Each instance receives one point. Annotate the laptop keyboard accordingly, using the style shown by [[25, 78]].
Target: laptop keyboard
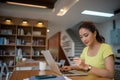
[[67, 72]]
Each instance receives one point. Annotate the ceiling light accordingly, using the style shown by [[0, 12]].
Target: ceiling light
[[48, 30], [8, 20], [61, 12], [23, 4], [96, 13], [24, 22], [66, 5], [40, 23]]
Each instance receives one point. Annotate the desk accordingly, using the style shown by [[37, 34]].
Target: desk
[[22, 74]]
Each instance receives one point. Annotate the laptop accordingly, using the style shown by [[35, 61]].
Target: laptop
[[54, 67]]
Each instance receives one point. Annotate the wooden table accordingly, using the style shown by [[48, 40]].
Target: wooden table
[[22, 74]]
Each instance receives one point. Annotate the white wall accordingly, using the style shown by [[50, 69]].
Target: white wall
[[56, 28], [105, 29]]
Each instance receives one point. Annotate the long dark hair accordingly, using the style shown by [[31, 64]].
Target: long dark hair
[[91, 27]]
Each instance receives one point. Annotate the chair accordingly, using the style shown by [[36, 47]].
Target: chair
[[1, 72], [6, 73]]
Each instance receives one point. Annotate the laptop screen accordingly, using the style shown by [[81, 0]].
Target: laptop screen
[[51, 62]]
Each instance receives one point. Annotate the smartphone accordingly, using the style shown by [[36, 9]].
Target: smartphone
[[45, 76]]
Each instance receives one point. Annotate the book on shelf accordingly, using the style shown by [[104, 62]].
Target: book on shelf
[[36, 33], [1, 40], [11, 63], [6, 32], [4, 41], [36, 53], [2, 52], [20, 31]]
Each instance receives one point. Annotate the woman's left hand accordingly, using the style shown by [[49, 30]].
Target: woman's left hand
[[80, 63]]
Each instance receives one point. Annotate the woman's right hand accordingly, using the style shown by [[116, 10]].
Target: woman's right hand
[[66, 68]]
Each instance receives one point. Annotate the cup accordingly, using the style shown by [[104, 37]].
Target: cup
[[42, 65]]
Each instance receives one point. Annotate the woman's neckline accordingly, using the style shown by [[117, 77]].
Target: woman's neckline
[[99, 46]]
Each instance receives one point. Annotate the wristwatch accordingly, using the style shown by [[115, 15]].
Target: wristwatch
[[89, 68]]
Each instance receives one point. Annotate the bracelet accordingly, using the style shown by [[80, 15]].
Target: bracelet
[[89, 68]]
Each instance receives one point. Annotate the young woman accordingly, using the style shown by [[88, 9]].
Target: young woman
[[97, 57]]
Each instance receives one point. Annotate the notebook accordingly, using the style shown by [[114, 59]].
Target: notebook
[[54, 67]]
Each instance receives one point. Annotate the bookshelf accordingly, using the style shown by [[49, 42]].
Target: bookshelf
[[21, 41]]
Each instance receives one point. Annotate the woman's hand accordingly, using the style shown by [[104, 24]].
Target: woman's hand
[[66, 68], [80, 63]]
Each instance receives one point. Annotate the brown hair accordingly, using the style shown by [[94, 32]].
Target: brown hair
[[91, 27]]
